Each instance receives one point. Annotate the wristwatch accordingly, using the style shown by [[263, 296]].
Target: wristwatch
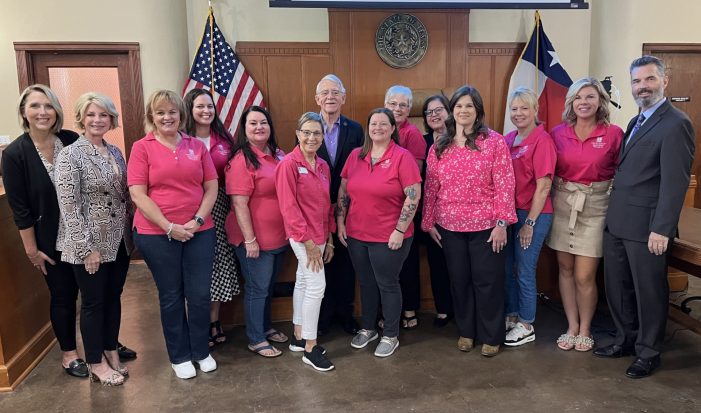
[[530, 222], [199, 220], [501, 223]]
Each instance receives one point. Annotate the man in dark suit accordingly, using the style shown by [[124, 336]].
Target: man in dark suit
[[341, 136], [648, 193]]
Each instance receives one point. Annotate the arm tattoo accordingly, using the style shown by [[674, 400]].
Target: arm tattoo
[[408, 212], [410, 192], [342, 206]]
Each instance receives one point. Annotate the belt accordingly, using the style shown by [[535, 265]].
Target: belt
[[578, 194]]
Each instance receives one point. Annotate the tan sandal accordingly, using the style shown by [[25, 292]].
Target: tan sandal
[[584, 343], [566, 342]]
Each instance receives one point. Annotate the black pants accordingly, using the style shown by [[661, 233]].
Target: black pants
[[101, 308], [477, 283], [440, 280], [637, 293], [340, 287], [409, 279], [378, 271], [64, 293]]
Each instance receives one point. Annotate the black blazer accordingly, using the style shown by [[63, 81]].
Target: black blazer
[[652, 176], [30, 192], [350, 136]]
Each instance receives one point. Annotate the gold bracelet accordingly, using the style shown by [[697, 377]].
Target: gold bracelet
[[330, 245], [250, 242]]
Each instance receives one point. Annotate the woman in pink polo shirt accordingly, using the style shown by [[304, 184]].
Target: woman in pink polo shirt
[[468, 204], [255, 226], [379, 193], [302, 181], [533, 156], [173, 183], [587, 154], [399, 99], [202, 122]]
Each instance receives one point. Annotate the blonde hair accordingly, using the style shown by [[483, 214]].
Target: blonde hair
[[58, 125], [526, 96], [159, 97], [86, 99], [602, 114]]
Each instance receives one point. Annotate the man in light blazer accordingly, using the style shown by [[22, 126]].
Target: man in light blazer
[[341, 136], [648, 192]]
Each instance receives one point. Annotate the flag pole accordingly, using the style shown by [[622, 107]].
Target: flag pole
[[537, 46], [211, 46]]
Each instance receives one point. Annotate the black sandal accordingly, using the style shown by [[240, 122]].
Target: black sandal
[[218, 336], [407, 320]]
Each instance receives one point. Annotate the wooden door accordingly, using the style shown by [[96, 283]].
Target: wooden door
[[684, 89], [72, 69]]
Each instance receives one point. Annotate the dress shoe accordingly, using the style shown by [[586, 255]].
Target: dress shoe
[[643, 367], [77, 368], [613, 351], [351, 327], [125, 353]]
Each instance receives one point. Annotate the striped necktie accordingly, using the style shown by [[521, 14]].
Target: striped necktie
[[638, 124]]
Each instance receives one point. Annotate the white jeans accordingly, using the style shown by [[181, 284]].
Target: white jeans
[[309, 290]]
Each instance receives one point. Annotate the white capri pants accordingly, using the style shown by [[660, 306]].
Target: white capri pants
[[309, 291]]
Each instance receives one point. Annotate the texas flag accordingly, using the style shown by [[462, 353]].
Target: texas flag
[[540, 70]]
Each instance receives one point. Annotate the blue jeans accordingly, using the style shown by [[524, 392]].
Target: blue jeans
[[183, 274], [521, 266], [260, 275]]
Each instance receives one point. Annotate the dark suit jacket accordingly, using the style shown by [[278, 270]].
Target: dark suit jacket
[[350, 136], [30, 192], [652, 176]]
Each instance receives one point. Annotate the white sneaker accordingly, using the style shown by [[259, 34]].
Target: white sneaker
[[207, 365], [519, 335], [184, 370]]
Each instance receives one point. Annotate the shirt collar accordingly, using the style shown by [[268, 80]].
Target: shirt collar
[[336, 123], [388, 154], [651, 111]]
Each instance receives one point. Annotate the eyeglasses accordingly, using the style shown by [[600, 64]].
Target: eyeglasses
[[435, 112], [325, 93], [308, 133], [395, 105]]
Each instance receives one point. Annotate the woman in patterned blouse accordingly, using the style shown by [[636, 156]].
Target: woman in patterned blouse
[[91, 184], [468, 204]]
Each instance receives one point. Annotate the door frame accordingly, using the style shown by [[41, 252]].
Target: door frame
[[132, 97]]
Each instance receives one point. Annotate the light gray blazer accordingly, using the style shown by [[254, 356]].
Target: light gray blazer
[[94, 201]]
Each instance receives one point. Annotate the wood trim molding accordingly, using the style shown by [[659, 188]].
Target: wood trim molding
[[494, 49], [93, 47], [649, 48], [282, 48]]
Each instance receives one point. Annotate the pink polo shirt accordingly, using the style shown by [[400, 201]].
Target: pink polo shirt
[[593, 160], [411, 139], [468, 190], [259, 186], [377, 192], [174, 179], [303, 195], [534, 158], [219, 150]]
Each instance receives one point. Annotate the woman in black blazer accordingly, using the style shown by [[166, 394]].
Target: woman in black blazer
[[27, 170]]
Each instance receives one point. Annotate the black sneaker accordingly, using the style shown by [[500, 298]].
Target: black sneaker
[[298, 345], [317, 359]]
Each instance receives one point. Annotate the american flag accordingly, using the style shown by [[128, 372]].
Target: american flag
[[233, 88]]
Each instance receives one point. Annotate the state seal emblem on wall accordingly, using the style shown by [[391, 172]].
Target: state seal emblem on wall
[[401, 40]]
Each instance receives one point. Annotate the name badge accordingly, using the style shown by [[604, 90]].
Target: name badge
[[302, 170]]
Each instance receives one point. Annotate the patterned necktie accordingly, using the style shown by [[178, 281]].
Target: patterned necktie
[[637, 126]]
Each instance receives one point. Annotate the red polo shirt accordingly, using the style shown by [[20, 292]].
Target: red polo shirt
[[377, 192], [303, 195], [411, 139], [174, 179], [534, 158], [259, 186], [591, 160], [219, 150]]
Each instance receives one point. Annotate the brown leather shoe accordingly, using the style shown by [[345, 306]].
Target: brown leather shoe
[[490, 351], [466, 344]]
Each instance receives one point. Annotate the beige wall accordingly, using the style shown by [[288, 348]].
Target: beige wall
[[158, 25], [620, 27]]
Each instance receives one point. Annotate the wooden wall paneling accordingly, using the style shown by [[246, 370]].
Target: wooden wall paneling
[[283, 102], [480, 72], [458, 40], [342, 56], [313, 69]]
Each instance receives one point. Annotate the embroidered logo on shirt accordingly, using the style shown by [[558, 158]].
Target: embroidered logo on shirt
[[521, 151], [222, 149], [302, 170], [191, 155], [599, 143], [386, 163]]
